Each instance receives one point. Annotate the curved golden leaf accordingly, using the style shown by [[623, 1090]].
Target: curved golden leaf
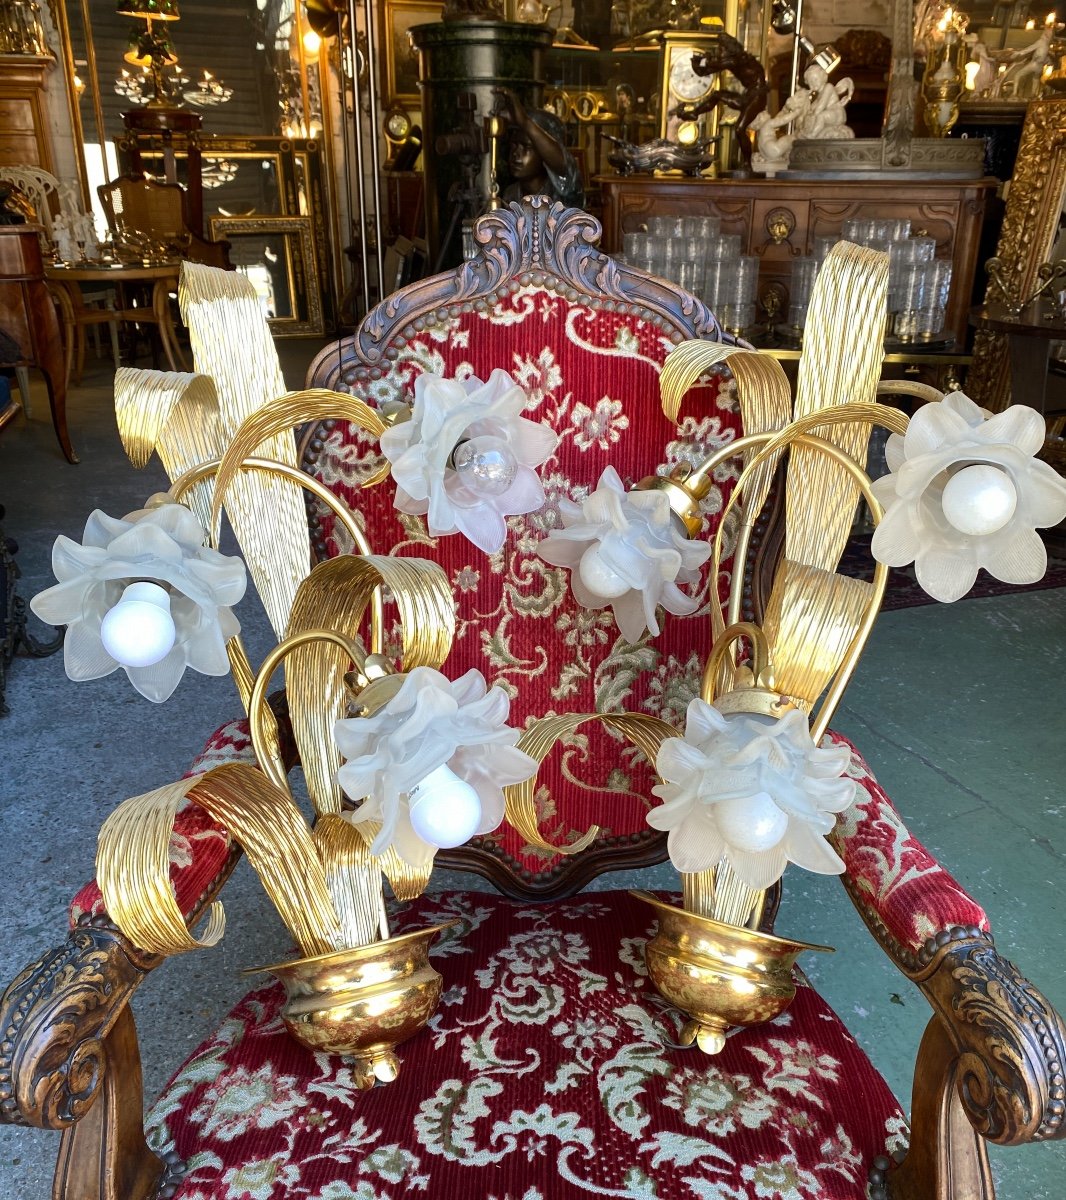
[[645, 732], [176, 414], [335, 596], [133, 861]]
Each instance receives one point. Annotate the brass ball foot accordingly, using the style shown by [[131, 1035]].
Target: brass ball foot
[[708, 1039]]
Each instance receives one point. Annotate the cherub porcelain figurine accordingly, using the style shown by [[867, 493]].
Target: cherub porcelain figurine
[[822, 112]]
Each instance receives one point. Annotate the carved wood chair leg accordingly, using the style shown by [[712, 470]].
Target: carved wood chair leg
[[948, 1158], [104, 1156]]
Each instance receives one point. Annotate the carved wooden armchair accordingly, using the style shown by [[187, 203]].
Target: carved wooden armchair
[[551, 1067]]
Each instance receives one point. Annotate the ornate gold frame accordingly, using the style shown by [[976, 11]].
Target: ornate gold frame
[[1026, 238], [431, 11], [305, 292]]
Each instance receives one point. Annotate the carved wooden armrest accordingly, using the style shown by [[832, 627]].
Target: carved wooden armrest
[[69, 1060], [990, 1068]]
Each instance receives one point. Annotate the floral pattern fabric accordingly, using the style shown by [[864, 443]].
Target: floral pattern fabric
[[592, 375], [550, 1070], [898, 881]]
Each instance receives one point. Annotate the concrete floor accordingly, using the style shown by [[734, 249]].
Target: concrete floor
[[958, 708]]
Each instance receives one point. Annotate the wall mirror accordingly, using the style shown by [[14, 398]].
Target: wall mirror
[[263, 82]]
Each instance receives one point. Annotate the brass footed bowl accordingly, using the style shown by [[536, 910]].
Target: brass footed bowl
[[362, 1003], [720, 975]]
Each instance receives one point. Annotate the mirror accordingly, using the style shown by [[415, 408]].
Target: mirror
[[278, 255]]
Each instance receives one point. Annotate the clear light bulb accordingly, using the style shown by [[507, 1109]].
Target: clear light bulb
[[485, 465], [980, 499], [445, 810], [139, 630], [599, 576], [753, 824]]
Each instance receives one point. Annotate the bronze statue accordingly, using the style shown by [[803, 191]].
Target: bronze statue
[[538, 160], [748, 100]]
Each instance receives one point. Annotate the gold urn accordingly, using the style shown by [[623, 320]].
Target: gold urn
[[362, 1003], [720, 975]]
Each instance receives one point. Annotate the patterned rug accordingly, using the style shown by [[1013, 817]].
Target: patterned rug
[[903, 590]]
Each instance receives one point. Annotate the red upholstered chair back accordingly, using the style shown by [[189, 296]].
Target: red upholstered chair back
[[586, 338]]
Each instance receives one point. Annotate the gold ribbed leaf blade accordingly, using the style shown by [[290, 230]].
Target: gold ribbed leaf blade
[[335, 596], [132, 860], [811, 620], [176, 414], [231, 343], [354, 880], [843, 350], [645, 732], [762, 389]]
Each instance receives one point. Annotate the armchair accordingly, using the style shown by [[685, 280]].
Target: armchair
[[551, 1068], [144, 206]]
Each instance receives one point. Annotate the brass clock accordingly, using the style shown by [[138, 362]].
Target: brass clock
[[682, 87]]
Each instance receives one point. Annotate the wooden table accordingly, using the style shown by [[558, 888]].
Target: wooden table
[[163, 277], [1029, 335], [28, 314]]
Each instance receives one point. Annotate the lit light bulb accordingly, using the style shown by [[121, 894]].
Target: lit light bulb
[[445, 810], [752, 824], [599, 576], [980, 499], [485, 465], [312, 42], [139, 630]]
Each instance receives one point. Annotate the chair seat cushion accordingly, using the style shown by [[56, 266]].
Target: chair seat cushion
[[548, 1071]]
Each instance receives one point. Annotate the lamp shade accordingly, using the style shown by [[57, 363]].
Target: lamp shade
[[156, 10]]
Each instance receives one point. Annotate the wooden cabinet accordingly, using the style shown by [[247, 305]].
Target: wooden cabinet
[[779, 219], [28, 316], [24, 136]]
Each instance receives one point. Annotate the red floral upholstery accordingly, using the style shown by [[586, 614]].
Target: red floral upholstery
[[894, 878], [547, 1072], [199, 848], [592, 374]]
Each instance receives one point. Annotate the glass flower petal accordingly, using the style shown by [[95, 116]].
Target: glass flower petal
[[444, 414], [942, 441], [162, 544], [754, 792], [624, 550]]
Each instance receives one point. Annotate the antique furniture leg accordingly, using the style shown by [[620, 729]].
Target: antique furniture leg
[[30, 317], [104, 1156], [161, 308], [947, 1156]]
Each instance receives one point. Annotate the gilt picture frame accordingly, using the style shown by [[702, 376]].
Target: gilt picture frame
[[401, 58], [1026, 240]]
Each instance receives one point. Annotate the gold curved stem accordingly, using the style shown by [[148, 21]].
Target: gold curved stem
[[317, 489], [261, 720], [760, 654]]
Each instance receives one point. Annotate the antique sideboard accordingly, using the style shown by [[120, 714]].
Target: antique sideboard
[[779, 219]]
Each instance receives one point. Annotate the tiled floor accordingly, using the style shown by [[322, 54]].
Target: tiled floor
[[958, 708]]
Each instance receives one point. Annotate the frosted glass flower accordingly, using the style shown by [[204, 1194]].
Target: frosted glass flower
[[625, 549], [751, 791], [430, 723], [966, 492], [466, 457], [164, 545]]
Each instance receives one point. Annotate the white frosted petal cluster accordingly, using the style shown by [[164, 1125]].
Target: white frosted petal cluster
[[445, 413], [163, 544], [627, 545], [942, 440], [430, 722], [751, 791]]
